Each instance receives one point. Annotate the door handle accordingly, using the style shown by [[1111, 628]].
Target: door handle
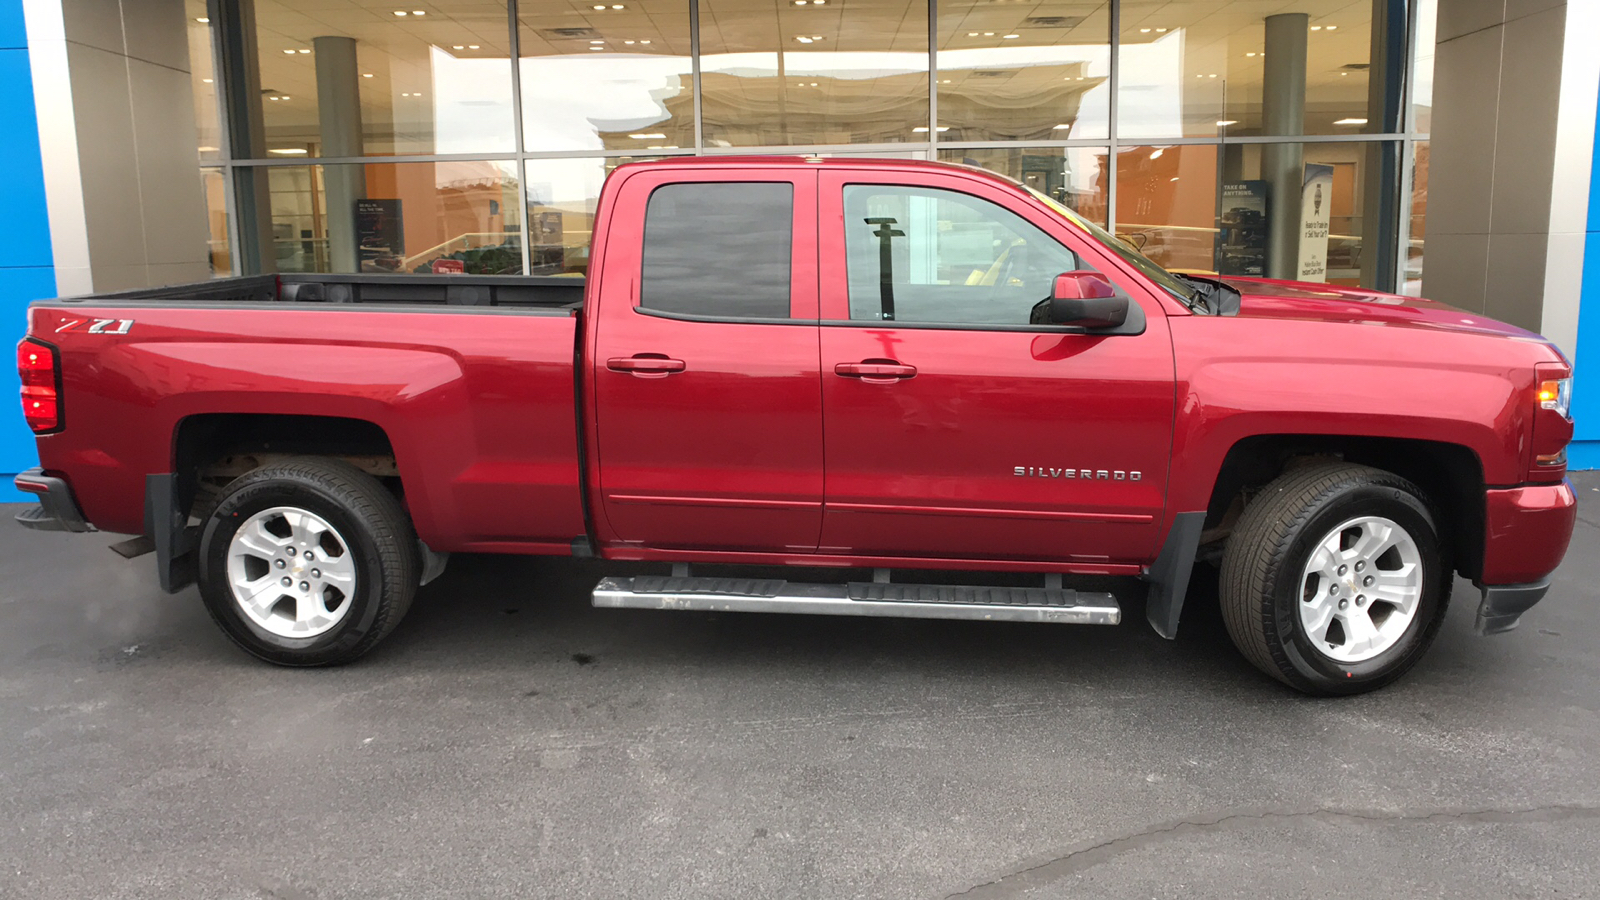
[[876, 371], [642, 365]]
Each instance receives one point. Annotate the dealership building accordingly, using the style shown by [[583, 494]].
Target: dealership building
[[154, 142]]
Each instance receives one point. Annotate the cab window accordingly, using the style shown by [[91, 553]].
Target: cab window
[[924, 255]]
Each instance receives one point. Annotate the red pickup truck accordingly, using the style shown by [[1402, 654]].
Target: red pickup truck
[[877, 373]]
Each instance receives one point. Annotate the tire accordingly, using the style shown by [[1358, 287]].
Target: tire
[[301, 615], [1273, 579]]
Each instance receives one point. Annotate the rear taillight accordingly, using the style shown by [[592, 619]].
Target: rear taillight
[[41, 385], [1552, 421]]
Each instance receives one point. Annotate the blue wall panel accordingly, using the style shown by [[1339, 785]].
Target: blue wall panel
[[26, 267]]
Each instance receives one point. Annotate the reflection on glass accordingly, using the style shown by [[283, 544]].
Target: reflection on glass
[[1034, 71], [1419, 222], [606, 79], [1076, 177], [203, 80], [435, 80], [413, 218], [218, 252], [774, 72], [1198, 68], [562, 196], [1422, 74], [1167, 204]]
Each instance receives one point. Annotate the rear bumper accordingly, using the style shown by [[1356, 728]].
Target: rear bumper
[[57, 509], [1526, 533]]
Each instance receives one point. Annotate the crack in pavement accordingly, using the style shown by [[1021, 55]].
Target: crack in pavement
[[1091, 854]]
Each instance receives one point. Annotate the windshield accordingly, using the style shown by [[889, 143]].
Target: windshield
[[1170, 282]]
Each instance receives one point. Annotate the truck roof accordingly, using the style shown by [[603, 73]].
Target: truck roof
[[775, 161]]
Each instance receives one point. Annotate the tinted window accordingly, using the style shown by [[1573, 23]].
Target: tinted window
[[932, 256], [719, 250]]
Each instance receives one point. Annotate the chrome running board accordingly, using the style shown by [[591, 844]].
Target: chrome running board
[[906, 601]]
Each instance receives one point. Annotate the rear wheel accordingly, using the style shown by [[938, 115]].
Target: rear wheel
[[308, 562], [1335, 580]]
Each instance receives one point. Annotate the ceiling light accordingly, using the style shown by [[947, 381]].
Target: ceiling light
[[458, 46], [597, 41], [1343, 74], [803, 40], [304, 51], [644, 42], [1212, 75], [472, 46], [813, 84], [290, 52], [988, 34], [1158, 152], [366, 74], [1224, 123], [284, 97], [1351, 121], [399, 12], [816, 37], [289, 151], [972, 34], [945, 81], [208, 150], [647, 137], [1251, 53], [1144, 31], [1316, 28], [1161, 31], [616, 6], [1062, 127], [801, 2], [1333, 28], [627, 42], [1173, 178], [592, 47], [923, 129], [203, 20], [599, 6], [1011, 37], [419, 12], [206, 80]]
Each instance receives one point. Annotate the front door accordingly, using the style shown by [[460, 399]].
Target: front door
[[956, 428], [708, 407]]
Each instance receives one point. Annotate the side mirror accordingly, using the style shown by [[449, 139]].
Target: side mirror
[[1087, 299]]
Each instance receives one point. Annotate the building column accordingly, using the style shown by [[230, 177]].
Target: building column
[[1283, 112], [339, 114]]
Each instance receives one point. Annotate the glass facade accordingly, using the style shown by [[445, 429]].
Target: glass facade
[[347, 136]]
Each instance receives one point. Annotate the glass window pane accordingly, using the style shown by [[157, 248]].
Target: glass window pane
[[719, 250], [438, 82], [1422, 79], [1166, 204], [218, 253], [1023, 72], [1074, 176], [203, 80], [408, 218], [562, 197], [1419, 222], [606, 79], [924, 255], [774, 73], [1195, 68]]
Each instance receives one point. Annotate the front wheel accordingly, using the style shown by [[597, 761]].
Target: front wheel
[[1335, 580], [308, 562]]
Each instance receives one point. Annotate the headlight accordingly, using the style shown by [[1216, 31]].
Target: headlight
[[1556, 394]]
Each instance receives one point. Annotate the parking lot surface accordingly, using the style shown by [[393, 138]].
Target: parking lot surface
[[510, 741]]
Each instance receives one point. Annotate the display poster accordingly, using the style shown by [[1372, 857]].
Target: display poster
[[380, 235], [1316, 196], [1242, 229]]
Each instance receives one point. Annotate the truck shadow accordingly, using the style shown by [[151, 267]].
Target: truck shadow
[[491, 609]]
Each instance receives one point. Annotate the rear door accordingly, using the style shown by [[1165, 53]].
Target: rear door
[[707, 396], [956, 427]]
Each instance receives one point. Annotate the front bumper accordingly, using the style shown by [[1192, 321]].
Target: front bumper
[[1526, 532], [57, 509]]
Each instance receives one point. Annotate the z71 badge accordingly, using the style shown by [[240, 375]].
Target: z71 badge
[[97, 326], [1080, 474]]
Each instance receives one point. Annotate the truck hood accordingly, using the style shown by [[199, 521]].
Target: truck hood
[[1268, 299]]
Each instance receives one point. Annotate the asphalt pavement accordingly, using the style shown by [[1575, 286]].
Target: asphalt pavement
[[508, 740]]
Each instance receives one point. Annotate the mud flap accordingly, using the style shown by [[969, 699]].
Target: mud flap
[[1169, 574], [166, 522]]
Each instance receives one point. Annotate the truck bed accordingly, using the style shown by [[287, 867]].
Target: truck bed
[[518, 291]]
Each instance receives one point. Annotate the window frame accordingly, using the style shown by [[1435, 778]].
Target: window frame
[[625, 234]]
